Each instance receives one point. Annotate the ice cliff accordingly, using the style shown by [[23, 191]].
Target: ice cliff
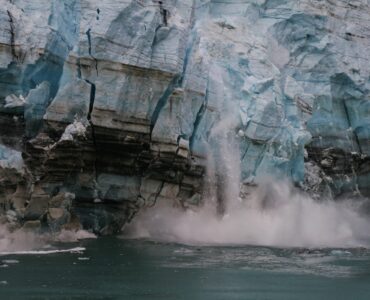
[[109, 106]]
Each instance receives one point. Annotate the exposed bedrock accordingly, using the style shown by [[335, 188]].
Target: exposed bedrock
[[107, 107]]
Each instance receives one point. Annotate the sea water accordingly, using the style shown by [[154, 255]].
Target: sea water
[[118, 268]]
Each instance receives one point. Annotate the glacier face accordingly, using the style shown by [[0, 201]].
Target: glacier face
[[112, 105]]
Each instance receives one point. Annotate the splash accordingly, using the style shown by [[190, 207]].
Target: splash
[[27, 242], [18, 240], [273, 215]]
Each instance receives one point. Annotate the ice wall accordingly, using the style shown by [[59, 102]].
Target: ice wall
[[124, 103]]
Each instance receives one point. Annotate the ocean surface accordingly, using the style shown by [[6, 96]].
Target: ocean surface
[[117, 268]]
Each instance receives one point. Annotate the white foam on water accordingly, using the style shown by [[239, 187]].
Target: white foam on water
[[83, 258], [10, 261], [76, 250]]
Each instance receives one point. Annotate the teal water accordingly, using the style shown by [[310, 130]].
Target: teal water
[[113, 268]]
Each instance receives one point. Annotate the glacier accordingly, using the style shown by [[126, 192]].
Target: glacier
[[107, 107]]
